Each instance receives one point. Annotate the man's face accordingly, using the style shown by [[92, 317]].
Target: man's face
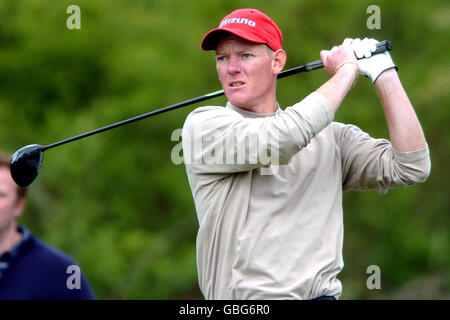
[[10, 206], [245, 71]]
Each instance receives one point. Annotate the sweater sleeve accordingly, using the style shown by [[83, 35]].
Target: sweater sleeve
[[370, 163], [220, 140]]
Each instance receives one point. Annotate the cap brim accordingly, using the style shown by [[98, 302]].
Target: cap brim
[[211, 39]]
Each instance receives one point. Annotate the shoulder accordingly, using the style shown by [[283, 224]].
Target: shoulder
[[209, 116], [339, 126], [36, 256], [204, 109], [64, 269], [344, 131], [208, 112], [51, 255]]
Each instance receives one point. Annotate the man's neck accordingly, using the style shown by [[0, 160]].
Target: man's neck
[[9, 238]]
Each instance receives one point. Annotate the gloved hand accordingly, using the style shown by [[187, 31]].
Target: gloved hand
[[372, 65]]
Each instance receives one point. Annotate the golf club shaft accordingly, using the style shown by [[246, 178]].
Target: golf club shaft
[[381, 47], [137, 118]]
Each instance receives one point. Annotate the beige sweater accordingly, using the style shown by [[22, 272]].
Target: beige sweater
[[269, 231]]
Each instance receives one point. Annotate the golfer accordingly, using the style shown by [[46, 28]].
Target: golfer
[[271, 227]]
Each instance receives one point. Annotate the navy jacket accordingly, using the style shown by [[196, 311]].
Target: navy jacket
[[35, 271]]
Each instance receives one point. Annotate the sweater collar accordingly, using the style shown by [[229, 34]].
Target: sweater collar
[[250, 114], [8, 256]]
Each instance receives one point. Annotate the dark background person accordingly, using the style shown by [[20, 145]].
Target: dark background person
[[29, 268]]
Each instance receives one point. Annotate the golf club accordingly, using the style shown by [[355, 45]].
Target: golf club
[[27, 161]]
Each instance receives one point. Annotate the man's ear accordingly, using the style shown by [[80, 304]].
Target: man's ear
[[278, 61], [20, 207]]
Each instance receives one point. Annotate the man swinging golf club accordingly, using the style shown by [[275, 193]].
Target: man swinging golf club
[[275, 230]]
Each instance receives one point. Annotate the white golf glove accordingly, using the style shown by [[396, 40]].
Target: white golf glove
[[371, 66]]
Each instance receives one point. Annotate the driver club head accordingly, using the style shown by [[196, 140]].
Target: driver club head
[[26, 163]]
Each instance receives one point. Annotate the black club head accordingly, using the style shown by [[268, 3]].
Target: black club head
[[26, 163]]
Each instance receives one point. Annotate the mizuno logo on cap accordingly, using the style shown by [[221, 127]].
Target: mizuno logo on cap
[[237, 20]]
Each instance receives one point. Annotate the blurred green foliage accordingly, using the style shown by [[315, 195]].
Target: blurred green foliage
[[118, 204]]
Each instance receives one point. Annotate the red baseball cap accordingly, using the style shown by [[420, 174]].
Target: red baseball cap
[[249, 24]]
